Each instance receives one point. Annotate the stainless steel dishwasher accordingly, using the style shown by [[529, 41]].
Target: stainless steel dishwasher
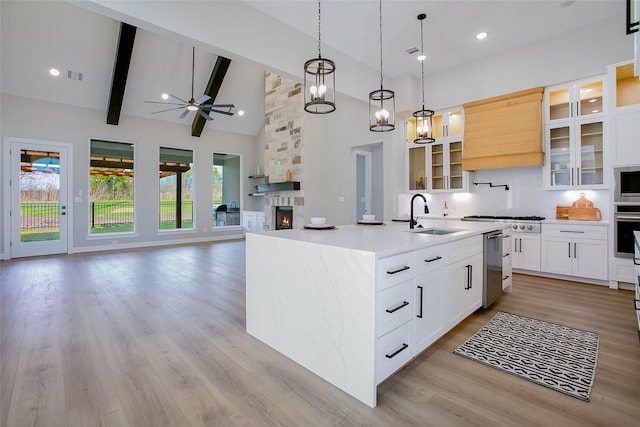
[[492, 268]]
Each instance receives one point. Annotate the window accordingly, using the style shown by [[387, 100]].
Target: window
[[111, 185], [175, 176], [226, 189]]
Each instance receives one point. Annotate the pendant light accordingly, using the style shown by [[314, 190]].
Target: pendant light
[[423, 117], [382, 103], [319, 82]]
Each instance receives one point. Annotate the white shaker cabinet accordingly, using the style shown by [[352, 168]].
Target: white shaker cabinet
[[463, 293], [429, 316], [525, 251], [624, 105], [575, 250], [253, 220]]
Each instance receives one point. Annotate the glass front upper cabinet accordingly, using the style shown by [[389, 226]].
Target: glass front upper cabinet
[[575, 100], [417, 168], [575, 155], [447, 123]]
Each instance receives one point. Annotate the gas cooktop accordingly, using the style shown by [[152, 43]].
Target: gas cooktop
[[502, 217], [520, 224]]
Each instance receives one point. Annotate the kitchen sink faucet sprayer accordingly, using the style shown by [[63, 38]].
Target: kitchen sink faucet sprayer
[[412, 221]]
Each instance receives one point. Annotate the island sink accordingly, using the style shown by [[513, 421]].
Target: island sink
[[435, 231]]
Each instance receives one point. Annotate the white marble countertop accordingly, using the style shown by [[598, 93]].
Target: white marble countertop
[[389, 238]]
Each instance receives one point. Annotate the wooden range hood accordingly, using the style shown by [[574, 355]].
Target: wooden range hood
[[504, 131]]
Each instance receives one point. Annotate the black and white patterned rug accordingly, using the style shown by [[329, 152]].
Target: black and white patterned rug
[[560, 358]]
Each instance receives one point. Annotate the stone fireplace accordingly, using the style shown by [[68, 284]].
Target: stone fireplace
[[283, 217], [283, 151]]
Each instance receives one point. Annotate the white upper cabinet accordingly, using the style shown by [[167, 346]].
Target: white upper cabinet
[[437, 167], [624, 104], [575, 132], [575, 100]]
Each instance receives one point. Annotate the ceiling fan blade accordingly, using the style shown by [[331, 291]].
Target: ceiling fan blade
[[169, 109], [218, 106], [203, 99], [179, 99], [164, 103], [184, 114], [205, 115], [227, 113]]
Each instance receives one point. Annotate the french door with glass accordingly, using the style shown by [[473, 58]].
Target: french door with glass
[[39, 198]]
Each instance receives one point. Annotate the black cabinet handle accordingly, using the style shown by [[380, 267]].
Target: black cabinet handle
[[505, 255], [467, 285], [433, 259], [398, 270], [421, 293], [635, 303], [470, 276], [569, 244], [394, 309], [506, 277], [395, 353]]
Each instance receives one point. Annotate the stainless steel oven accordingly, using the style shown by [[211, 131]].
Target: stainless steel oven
[[627, 181], [626, 221]]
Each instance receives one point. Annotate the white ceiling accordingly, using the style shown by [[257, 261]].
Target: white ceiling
[[71, 38]]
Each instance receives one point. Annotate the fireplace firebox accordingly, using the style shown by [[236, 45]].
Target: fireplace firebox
[[284, 217]]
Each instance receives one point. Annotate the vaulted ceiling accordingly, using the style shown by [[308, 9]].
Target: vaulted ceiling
[[38, 35]]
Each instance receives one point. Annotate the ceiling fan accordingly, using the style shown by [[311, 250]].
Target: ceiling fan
[[198, 105]]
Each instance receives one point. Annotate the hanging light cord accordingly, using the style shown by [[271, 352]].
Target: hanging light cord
[[422, 62], [319, 54], [380, 44]]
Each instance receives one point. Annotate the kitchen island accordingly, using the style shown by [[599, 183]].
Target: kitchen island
[[356, 303]]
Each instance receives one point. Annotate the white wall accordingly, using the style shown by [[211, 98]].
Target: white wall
[[26, 118], [583, 52], [330, 165]]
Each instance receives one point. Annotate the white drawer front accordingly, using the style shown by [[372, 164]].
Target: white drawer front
[[430, 259], [393, 351], [575, 231], [393, 307], [395, 269], [465, 248]]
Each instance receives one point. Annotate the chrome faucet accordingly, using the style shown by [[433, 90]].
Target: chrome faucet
[[412, 221]]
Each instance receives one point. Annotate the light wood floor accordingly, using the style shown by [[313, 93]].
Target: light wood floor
[[156, 337]]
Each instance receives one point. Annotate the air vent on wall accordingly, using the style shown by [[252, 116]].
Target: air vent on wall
[[412, 50], [74, 75]]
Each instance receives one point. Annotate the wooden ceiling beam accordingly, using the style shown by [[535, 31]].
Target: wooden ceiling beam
[[213, 87], [120, 72]]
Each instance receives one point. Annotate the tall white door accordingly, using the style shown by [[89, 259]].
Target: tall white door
[[39, 198]]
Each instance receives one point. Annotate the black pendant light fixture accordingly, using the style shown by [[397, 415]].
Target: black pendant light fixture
[[423, 117], [382, 103], [319, 82]]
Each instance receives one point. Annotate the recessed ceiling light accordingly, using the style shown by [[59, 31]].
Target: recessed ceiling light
[[421, 57], [164, 96], [593, 100], [594, 111], [481, 36], [54, 72], [241, 113]]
